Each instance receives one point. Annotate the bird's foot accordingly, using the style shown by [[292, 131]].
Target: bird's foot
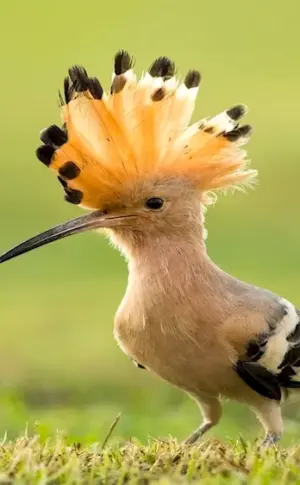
[[270, 440]]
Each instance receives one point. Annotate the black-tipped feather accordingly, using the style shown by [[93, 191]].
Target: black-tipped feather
[[162, 67], [237, 133], [123, 62], [236, 112], [95, 88], [73, 196], [69, 170], [54, 136], [192, 79], [45, 153], [79, 78]]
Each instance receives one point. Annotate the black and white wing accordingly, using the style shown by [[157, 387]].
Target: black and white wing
[[273, 359]]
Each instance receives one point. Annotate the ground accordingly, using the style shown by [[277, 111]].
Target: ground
[[28, 460]]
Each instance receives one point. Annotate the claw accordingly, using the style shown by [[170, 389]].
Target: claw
[[270, 440]]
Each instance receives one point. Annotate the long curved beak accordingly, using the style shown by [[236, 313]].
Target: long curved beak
[[93, 220]]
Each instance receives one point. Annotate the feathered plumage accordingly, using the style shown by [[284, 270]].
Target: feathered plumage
[[272, 359], [140, 129]]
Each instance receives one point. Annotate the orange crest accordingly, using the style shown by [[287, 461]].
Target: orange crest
[[140, 129]]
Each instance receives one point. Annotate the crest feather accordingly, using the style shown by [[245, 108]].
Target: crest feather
[[140, 129]]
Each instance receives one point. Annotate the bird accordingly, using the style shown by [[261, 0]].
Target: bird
[[147, 174]]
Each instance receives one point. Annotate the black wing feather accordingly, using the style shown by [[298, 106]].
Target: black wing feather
[[259, 379]]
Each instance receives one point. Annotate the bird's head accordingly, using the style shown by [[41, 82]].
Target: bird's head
[[132, 158]]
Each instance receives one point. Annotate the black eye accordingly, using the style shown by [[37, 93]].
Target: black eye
[[154, 203]]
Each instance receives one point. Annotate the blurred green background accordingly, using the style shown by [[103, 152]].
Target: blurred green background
[[59, 365]]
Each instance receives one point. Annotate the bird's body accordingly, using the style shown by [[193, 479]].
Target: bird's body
[[189, 322], [163, 319], [133, 157]]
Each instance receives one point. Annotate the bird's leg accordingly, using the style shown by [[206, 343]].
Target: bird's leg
[[269, 414], [196, 435], [211, 412]]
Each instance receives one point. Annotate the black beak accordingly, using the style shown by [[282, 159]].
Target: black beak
[[93, 220]]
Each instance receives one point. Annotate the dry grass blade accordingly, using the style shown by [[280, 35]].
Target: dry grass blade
[[111, 430]]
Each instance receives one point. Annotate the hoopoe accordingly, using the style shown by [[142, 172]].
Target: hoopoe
[[148, 176]]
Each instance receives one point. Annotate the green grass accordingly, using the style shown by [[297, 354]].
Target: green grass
[[59, 364], [29, 460]]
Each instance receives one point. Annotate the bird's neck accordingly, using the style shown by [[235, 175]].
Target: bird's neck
[[167, 262], [172, 283], [167, 256]]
